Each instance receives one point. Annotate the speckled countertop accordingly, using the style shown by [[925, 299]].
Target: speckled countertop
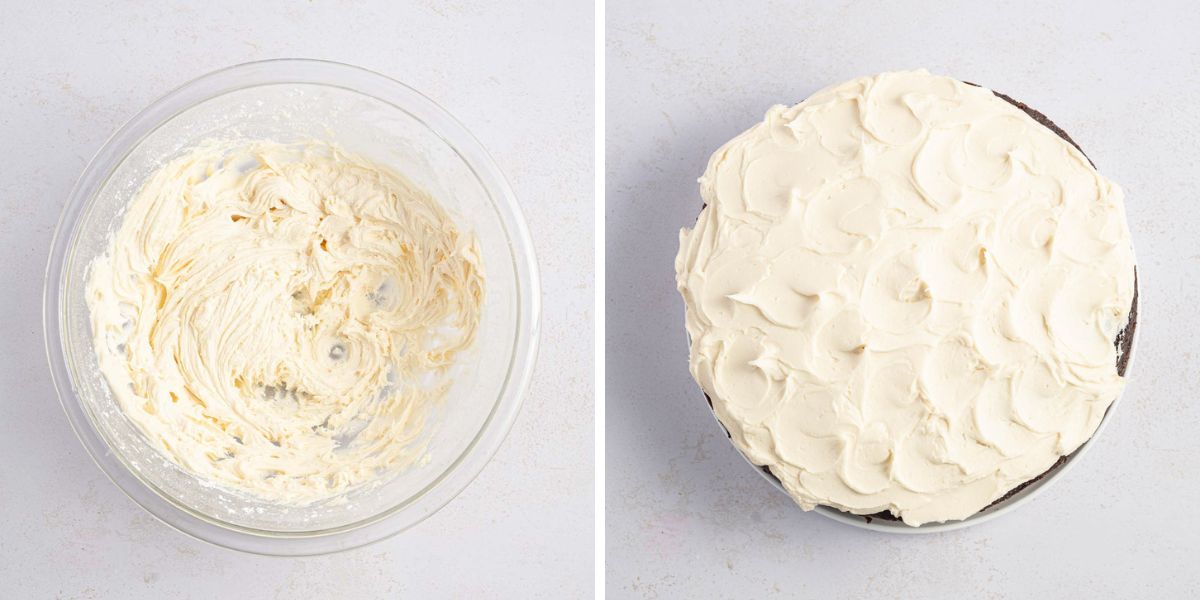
[[72, 72], [686, 516]]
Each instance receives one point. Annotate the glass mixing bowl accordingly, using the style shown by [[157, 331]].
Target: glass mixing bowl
[[368, 114]]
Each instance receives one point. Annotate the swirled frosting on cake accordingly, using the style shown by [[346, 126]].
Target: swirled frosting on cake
[[280, 319], [903, 294]]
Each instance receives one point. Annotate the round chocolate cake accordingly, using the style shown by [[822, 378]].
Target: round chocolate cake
[[908, 296]]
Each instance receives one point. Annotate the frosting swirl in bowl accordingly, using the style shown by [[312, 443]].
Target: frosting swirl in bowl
[[903, 295], [281, 319]]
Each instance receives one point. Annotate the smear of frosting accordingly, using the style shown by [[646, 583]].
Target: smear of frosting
[[902, 295], [281, 319]]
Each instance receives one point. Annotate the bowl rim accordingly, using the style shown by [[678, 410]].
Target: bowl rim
[[461, 472], [1006, 505]]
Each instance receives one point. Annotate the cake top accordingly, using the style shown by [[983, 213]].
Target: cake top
[[903, 294]]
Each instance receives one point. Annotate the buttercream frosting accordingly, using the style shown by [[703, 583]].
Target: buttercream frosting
[[902, 295], [281, 319]]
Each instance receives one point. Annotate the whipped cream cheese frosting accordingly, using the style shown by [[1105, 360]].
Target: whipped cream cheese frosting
[[281, 319], [902, 295]]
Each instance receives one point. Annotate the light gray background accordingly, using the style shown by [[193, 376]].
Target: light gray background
[[686, 517], [518, 74]]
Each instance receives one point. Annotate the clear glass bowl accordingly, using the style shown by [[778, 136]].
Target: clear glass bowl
[[368, 114]]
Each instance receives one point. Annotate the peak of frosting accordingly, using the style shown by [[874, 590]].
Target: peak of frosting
[[903, 294]]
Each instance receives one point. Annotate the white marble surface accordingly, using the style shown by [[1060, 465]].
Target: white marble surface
[[685, 516], [518, 74]]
